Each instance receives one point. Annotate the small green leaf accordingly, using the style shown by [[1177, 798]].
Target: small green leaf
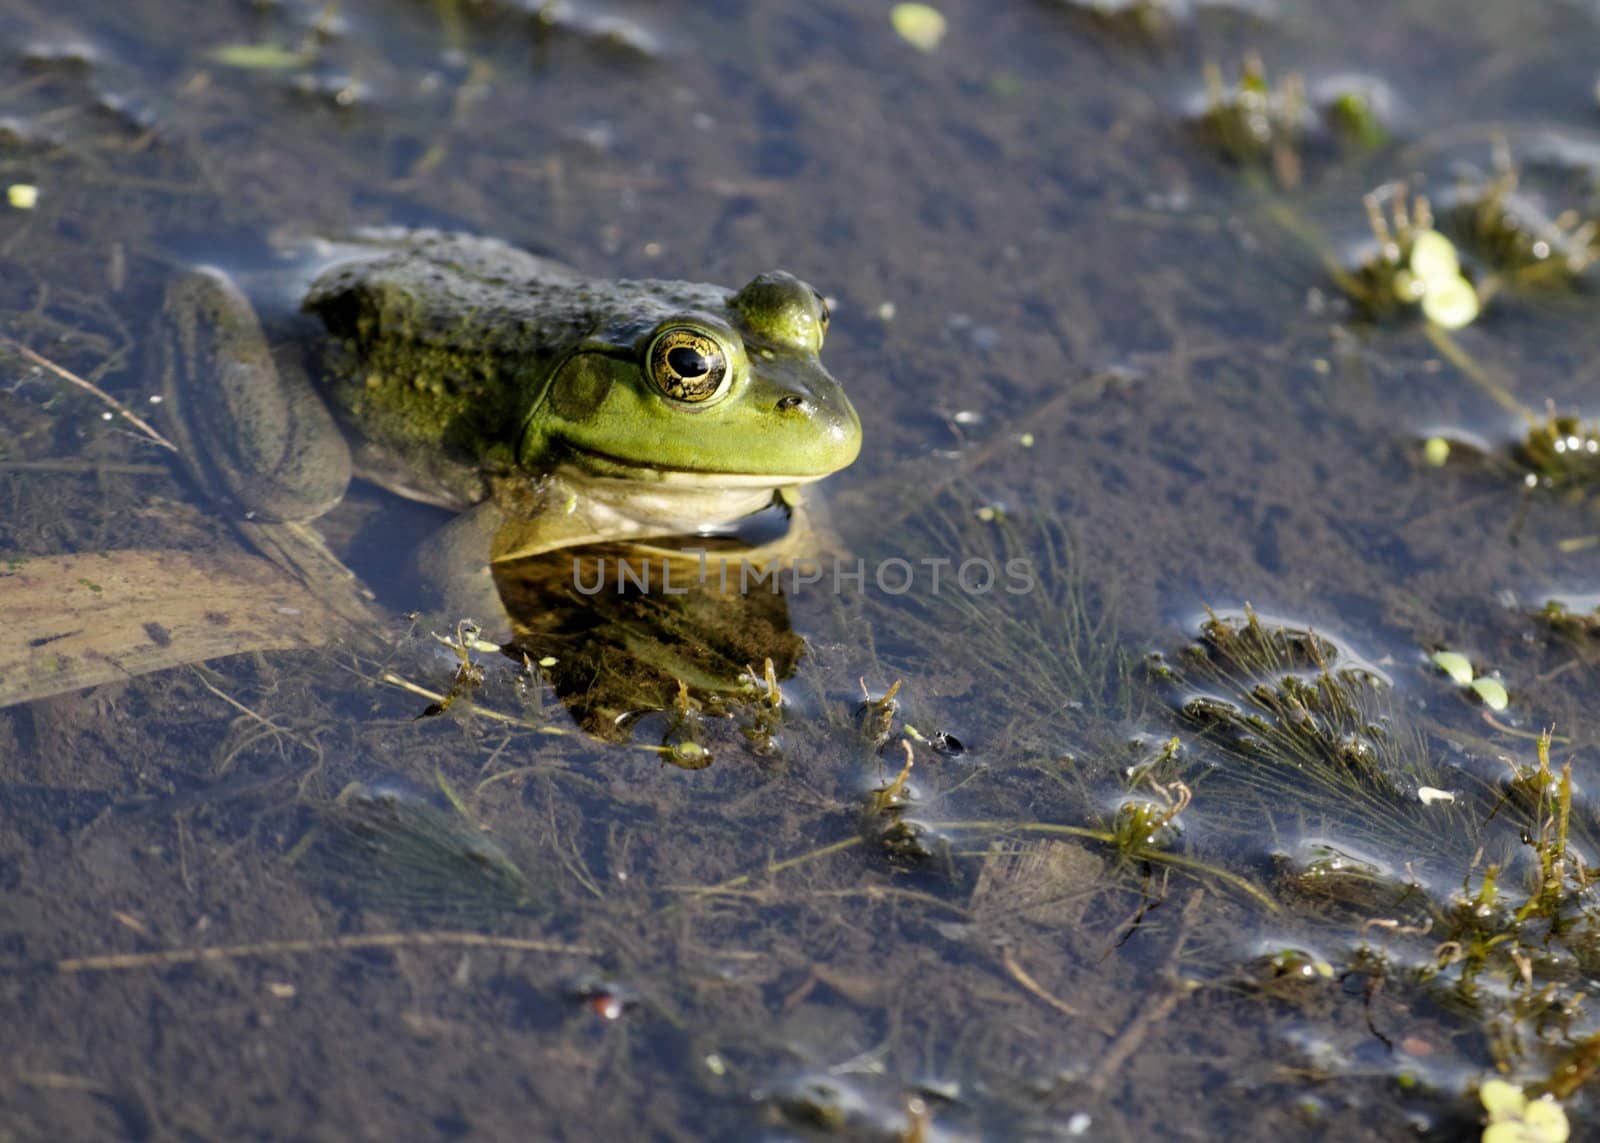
[[1456, 665], [1492, 692], [1436, 451], [1451, 303], [258, 57], [1544, 1121], [1433, 257], [920, 25]]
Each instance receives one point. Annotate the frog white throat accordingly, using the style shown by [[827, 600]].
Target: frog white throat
[[683, 503]]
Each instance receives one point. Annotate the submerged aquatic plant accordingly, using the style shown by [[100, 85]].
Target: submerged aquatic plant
[[388, 843], [1310, 747], [1052, 651], [1476, 896]]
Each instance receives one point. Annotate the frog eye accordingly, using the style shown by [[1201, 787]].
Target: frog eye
[[687, 364], [822, 310]]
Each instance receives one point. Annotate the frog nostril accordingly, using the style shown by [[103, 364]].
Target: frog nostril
[[791, 402]]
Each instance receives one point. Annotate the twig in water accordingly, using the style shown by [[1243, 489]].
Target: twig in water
[[88, 386]]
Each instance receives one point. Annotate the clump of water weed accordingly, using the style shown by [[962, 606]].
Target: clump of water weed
[[1474, 897], [1356, 109], [1143, 21], [1412, 266], [1308, 762], [1521, 939], [1561, 451], [1512, 231], [1077, 765], [1256, 121], [1574, 621]]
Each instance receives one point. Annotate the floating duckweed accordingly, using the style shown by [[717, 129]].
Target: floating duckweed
[[1299, 964], [1514, 1118], [920, 25], [1436, 451], [22, 196], [1433, 256], [1451, 303], [1448, 299], [258, 57], [1492, 692], [1456, 665], [689, 755]]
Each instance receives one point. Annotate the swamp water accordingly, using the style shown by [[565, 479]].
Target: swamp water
[[1199, 838]]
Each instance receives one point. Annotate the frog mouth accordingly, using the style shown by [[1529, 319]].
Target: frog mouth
[[603, 466], [669, 501]]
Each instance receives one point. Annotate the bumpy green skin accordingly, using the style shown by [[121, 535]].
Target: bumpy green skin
[[456, 362]]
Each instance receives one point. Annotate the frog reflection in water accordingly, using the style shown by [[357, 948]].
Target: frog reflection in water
[[552, 409]]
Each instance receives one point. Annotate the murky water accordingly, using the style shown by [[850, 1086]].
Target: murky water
[[1151, 874]]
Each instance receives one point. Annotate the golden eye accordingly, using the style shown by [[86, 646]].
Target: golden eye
[[687, 364]]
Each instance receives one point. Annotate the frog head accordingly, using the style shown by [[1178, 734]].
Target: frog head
[[705, 387]]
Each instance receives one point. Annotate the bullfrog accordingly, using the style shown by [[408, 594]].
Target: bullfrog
[[550, 409]]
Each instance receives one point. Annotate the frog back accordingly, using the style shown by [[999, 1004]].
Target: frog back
[[438, 345]]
